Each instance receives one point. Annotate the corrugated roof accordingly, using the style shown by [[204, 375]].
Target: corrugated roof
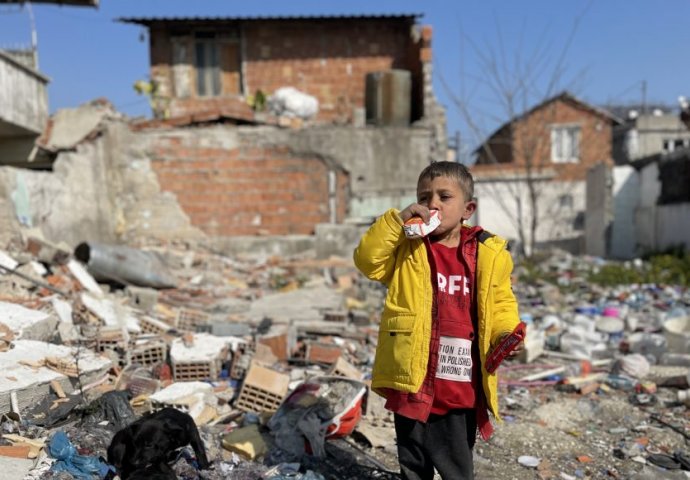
[[75, 3], [218, 19]]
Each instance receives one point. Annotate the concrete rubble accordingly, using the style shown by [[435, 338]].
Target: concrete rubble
[[600, 391]]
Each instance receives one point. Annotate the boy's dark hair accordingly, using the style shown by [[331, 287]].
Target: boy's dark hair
[[451, 170]]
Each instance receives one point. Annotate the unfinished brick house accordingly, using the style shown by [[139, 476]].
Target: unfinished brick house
[[216, 63], [539, 161], [237, 170]]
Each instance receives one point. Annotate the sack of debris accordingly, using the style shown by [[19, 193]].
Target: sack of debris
[[290, 102]]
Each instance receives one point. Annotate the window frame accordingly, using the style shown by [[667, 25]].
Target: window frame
[[207, 65], [558, 137]]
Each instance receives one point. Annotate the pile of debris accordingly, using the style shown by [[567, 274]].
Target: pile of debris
[[603, 388], [271, 358]]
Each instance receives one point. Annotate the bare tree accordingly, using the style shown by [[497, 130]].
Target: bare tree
[[518, 82]]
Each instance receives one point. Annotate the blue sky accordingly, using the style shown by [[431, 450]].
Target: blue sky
[[614, 47]]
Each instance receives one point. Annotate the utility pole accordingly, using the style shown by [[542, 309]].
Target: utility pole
[[644, 97], [34, 35]]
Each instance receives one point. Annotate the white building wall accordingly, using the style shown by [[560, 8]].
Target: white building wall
[[558, 207], [626, 196]]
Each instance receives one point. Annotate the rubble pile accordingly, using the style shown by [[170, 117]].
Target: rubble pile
[[602, 388], [271, 357], [222, 339]]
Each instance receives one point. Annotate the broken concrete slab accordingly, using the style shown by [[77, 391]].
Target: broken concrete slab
[[306, 304], [111, 312], [26, 323], [23, 374], [194, 398], [70, 126], [15, 468]]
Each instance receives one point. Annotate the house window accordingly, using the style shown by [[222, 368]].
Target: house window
[[207, 65], [565, 144], [565, 201], [674, 144], [217, 62]]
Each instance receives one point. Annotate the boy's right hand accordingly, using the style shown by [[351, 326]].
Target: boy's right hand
[[415, 210]]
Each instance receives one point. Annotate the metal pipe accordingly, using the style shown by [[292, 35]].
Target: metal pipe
[[125, 265]]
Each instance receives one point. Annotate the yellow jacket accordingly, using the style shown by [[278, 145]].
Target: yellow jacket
[[386, 255]]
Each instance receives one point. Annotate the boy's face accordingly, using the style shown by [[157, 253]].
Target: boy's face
[[445, 195]]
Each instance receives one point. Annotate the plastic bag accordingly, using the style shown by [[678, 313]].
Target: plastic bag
[[68, 460]]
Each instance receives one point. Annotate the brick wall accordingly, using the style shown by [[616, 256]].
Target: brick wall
[[534, 135], [251, 189], [326, 58], [529, 141]]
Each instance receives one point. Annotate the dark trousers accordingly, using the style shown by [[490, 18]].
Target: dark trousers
[[445, 442]]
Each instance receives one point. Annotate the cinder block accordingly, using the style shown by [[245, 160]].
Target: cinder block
[[343, 368], [114, 341], [150, 353], [201, 370], [188, 319], [263, 389], [153, 326], [203, 360], [323, 353]]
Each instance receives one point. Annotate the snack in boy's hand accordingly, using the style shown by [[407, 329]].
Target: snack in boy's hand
[[506, 346], [415, 226]]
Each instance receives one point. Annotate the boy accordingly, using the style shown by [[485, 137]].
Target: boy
[[449, 302]]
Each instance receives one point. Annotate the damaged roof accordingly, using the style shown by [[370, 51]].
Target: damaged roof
[[147, 21]]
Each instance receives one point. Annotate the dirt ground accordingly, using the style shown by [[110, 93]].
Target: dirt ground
[[574, 436]]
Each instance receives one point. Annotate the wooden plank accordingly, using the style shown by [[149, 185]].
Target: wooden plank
[[57, 388]]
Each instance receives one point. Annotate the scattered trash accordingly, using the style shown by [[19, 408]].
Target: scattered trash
[[528, 461], [68, 460], [290, 102], [270, 357]]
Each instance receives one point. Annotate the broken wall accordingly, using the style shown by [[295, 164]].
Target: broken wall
[[104, 190], [384, 163], [599, 214], [247, 180], [219, 180], [659, 227]]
